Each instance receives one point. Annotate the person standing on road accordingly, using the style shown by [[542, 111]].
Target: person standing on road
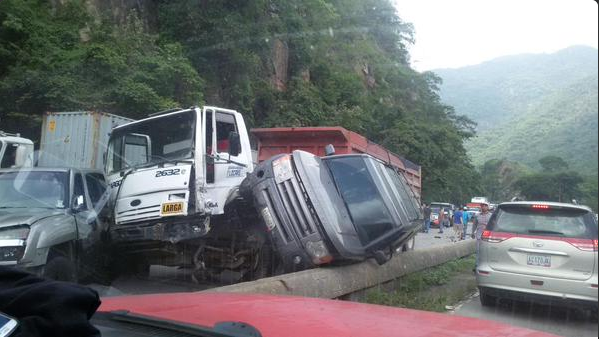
[[480, 224], [457, 224], [426, 210], [441, 219], [465, 218], [480, 221]]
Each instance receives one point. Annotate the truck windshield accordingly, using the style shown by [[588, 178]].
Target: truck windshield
[[33, 189], [362, 197], [9, 157], [169, 137]]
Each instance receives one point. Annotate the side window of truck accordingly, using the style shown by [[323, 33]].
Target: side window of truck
[[96, 187], [10, 156], [225, 124]]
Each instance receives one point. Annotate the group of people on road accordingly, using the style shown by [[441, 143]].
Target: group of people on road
[[460, 221]]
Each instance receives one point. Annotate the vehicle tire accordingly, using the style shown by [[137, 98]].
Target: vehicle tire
[[60, 268], [266, 264], [486, 299]]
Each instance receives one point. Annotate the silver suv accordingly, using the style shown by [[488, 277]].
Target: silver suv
[[539, 251], [54, 222]]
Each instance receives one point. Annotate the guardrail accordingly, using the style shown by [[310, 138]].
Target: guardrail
[[334, 282]]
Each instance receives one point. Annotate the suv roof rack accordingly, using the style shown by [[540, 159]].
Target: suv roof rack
[[165, 112]]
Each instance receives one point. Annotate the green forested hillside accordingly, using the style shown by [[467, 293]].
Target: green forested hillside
[[563, 123], [493, 92], [279, 62], [530, 106]]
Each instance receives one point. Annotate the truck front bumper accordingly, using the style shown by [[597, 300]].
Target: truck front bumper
[[173, 231]]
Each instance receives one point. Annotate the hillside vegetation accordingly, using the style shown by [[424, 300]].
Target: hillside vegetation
[[528, 108], [279, 62], [563, 123]]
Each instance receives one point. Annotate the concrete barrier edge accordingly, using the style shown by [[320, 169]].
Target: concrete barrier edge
[[333, 282]]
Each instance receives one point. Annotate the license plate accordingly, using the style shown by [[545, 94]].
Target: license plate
[[539, 260], [172, 208]]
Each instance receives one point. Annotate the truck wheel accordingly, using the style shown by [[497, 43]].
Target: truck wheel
[[61, 269], [265, 264]]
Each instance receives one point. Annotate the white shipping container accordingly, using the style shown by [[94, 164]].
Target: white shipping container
[[76, 139]]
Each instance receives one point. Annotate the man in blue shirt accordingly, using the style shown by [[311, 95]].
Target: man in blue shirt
[[457, 224]]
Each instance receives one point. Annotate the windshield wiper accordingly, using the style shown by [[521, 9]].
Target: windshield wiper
[[221, 329], [545, 231]]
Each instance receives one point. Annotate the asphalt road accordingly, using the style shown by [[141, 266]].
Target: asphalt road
[[162, 279], [556, 320]]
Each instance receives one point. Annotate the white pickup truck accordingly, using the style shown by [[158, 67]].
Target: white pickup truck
[[15, 151]]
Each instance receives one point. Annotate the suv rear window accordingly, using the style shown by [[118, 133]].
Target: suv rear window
[[555, 221]]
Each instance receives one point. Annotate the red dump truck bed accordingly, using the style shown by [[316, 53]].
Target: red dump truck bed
[[273, 141]]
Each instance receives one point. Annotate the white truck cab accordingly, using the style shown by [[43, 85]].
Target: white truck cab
[[177, 163], [15, 151], [171, 173]]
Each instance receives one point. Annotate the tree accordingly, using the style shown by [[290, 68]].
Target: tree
[[553, 163], [562, 186], [62, 59]]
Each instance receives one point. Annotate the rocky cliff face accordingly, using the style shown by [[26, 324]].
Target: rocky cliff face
[[119, 10]]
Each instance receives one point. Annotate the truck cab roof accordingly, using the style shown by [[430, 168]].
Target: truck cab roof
[[15, 139]]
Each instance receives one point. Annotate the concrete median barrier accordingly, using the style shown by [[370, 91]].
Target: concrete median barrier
[[334, 282]]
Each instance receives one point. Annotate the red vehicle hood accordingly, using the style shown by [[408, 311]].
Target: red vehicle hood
[[299, 316]]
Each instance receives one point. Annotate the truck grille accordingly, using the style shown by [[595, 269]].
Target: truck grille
[[275, 214], [139, 214], [296, 204]]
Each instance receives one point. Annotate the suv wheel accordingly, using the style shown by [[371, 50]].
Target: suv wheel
[[486, 299], [60, 268]]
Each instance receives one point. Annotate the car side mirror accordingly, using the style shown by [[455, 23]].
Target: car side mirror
[[78, 204], [234, 144]]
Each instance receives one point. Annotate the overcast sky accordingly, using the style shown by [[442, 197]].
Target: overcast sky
[[455, 33]]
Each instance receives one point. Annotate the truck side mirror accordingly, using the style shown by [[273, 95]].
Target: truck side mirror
[[234, 144], [23, 156], [77, 204]]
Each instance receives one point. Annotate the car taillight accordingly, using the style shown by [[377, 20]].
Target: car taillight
[[587, 245], [495, 237], [540, 207]]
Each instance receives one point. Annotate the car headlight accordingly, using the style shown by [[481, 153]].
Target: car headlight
[[319, 252], [14, 233], [11, 253], [282, 169]]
